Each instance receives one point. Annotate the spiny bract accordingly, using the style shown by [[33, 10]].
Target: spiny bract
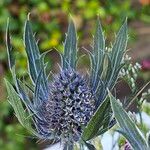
[[61, 109]]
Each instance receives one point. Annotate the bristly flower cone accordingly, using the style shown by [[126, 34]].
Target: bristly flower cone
[[70, 105]]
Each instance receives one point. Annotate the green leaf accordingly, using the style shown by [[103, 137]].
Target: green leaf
[[117, 53], [23, 117], [9, 48], [107, 124], [70, 48], [20, 88], [120, 45], [98, 55], [107, 69], [37, 93], [90, 146], [95, 123], [148, 139], [32, 50], [35, 60], [128, 128]]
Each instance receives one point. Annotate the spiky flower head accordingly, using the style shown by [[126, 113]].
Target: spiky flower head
[[70, 107]]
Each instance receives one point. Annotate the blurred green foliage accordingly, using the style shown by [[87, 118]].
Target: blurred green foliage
[[50, 19]]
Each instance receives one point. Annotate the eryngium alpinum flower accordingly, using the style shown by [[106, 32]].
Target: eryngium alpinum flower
[[65, 107]]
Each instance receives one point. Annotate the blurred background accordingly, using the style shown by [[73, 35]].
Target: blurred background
[[50, 20]]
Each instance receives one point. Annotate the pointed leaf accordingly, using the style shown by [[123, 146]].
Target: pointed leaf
[[38, 93], [106, 72], [95, 123], [9, 48], [118, 51], [120, 45], [21, 114], [90, 146], [148, 139], [98, 55], [129, 129], [20, 90], [114, 61], [32, 50], [35, 60], [22, 94], [70, 48], [107, 124]]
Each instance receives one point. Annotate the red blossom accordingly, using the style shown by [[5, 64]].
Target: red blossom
[[146, 64]]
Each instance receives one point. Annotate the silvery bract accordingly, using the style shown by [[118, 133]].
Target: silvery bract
[[71, 107]]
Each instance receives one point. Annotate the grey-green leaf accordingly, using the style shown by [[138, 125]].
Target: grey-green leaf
[[90, 146], [128, 128], [21, 114], [119, 45], [37, 92], [117, 53], [35, 60], [98, 54], [20, 90], [31, 50], [9, 48], [70, 48], [95, 123], [148, 139]]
